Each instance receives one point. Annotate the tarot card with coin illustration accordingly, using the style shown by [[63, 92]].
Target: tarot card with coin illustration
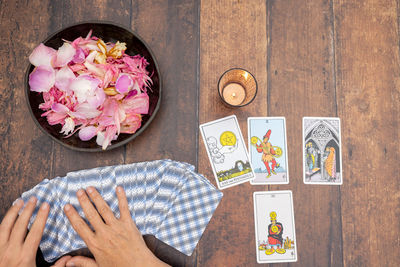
[[227, 152], [322, 153], [268, 150], [274, 227]]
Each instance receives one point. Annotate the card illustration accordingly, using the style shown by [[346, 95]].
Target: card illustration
[[227, 152], [322, 160], [268, 150], [274, 227]]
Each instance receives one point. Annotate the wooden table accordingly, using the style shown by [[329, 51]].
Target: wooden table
[[310, 58]]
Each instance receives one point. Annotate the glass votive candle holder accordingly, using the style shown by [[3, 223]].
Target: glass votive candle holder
[[237, 87]]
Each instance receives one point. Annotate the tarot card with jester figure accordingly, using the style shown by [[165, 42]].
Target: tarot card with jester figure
[[322, 153], [268, 150], [227, 152]]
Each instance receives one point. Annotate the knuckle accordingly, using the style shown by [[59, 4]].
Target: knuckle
[[90, 216], [80, 224], [103, 209]]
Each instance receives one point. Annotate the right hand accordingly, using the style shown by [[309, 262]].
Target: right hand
[[114, 242]]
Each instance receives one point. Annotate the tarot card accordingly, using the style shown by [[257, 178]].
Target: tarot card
[[322, 152], [173, 179], [274, 227], [227, 152], [268, 150]]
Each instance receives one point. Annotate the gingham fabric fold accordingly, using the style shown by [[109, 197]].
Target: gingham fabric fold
[[166, 198]]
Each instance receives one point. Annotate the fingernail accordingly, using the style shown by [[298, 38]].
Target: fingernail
[[67, 207], [90, 189], [79, 193], [45, 206], [32, 199], [70, 264], [19, 202], [119, 189]]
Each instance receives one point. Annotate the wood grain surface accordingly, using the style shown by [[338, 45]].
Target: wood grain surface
[[302, 83], [232, 34], [310, 58], [368, 92]]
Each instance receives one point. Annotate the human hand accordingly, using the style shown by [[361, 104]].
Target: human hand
[[15, 248], [114, 242]]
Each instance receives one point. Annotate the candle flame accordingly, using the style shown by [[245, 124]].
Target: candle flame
[[246, 75], [233, 94]]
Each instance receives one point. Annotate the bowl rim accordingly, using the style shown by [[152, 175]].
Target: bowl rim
[[112, 146]]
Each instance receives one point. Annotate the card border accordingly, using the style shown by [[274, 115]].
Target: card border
[[255, 224], [248, 139], [209, 156], [340, 146]]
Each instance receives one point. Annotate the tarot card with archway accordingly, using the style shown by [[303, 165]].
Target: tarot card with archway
[[322, 155]]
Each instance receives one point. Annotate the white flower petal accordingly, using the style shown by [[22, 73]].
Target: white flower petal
[[68, 126]]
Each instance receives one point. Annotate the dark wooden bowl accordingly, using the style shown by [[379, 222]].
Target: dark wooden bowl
[[109, 32]]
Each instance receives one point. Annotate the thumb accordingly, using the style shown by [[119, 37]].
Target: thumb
[[80, 261]]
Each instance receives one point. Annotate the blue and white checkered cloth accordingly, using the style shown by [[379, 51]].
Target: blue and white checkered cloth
[[167, 199]]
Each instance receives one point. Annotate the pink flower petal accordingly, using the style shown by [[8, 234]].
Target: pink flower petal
[[110, 110], [98, 98], [79, 56], [131, 124], [132, 93], [63, 78], [60, 108], [77, 67], [42, 78], [42, 55], [94, 70], [111, 134], [136, 104], [85, 111], [55, 118], [87, 133], [64, 55], [124, 84]]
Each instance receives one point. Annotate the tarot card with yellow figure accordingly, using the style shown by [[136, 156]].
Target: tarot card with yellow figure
[[274, 227], [268, 150]]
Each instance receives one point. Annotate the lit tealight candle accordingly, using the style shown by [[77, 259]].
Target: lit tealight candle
[[234, 94]]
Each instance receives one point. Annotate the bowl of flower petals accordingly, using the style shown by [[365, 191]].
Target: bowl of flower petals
[[93, 86]]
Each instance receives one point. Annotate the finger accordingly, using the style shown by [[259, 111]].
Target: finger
[[123, 204], [90, 212], [80, 261], [101, 205], [62, 261], [9, 220], [19, 231], [35, 234], [78, 224]]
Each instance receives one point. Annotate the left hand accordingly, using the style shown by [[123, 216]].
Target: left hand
[[15, 248]]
